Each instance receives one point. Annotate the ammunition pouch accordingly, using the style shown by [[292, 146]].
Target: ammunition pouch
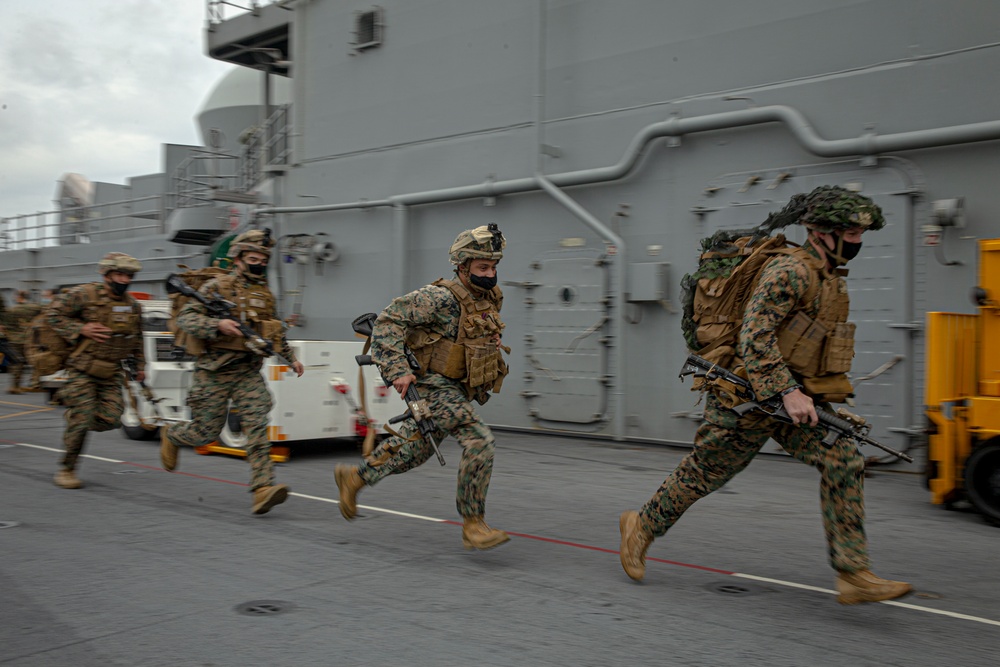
[[191, 344], [839, 350], [274, 331], [828, 388], [801, 344], [482, 362], [99, 368]]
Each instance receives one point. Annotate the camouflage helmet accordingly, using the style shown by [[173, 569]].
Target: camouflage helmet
[[485, 242], [833, 208], [118, 261], [255, 240]]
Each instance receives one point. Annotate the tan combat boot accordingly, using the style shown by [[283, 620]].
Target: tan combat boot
[[477, 535], [168, 450], [349, 483], [864, 586], [67, 479], [267, 497], [635, 542]]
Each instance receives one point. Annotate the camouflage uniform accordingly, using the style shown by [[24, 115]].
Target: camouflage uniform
[[224, 376], [460, 316], [434, 308], [15, 323], [726, 443], [93, 403]]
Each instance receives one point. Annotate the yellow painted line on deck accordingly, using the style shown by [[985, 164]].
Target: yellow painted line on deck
[[23, 412]]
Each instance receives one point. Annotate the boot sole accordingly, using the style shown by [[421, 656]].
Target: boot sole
[[278, 496], [77, 485], [483, 547], [856, 598]]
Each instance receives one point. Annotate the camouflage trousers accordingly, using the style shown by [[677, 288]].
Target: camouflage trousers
[[91, 404], [719, 453], [209, 399], [453, 415]]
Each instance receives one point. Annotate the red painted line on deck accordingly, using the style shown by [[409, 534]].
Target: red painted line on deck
[[589, 547], [186, 474]]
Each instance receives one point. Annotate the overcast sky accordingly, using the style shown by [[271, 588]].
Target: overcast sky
[[94, 87]]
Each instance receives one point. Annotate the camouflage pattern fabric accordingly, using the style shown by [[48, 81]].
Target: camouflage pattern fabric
[[782, 285], [224, 376], [67, 316], [719, 453], [15, 322], [16, 319], [431, 307], [726, 443], [453, 415], [91, 405], [194, 319], [209, 400], [436, 309]]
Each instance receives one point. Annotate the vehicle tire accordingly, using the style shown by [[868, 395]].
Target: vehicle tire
[[232, 433], [982, 480], [139, 433], [132, 427]]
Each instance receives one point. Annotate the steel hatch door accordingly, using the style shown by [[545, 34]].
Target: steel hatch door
[[566, 348]]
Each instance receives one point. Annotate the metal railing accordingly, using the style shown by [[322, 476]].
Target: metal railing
[[83, 224], [217, 12], [198, 176], [266, 148]]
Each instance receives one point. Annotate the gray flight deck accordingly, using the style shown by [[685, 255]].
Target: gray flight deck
[[147, 568]]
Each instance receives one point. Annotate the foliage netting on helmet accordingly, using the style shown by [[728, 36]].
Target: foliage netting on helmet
[[485, 242], [833, 208], [118, 261]]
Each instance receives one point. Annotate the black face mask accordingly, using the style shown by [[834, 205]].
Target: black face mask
[[483, 282], [256, 269], [849, 250], [118, 288]]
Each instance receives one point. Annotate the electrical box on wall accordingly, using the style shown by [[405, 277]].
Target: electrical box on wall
[[648, 282]]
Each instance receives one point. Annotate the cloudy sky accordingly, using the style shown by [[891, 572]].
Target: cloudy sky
[[94, 87]]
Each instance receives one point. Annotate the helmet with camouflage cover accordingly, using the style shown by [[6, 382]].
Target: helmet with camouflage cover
[[830, 208], [485, 242], [118, 261], [255, 240]]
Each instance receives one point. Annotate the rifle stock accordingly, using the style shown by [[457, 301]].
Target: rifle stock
[[836, 426]]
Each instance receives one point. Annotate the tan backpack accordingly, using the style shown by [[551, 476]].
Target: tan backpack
[[195, 278], [716, 294], [45, 349]]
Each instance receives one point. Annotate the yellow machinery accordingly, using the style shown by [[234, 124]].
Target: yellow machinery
[[962, 396]]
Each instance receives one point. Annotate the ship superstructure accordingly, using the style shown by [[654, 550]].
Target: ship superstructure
[[605, 139]]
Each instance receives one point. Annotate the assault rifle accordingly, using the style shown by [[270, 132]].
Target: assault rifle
[[418, 410], [841, 425], [131, 367], [222, 309]]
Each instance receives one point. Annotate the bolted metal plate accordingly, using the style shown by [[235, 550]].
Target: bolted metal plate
[[264, 607], [9, 524]]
